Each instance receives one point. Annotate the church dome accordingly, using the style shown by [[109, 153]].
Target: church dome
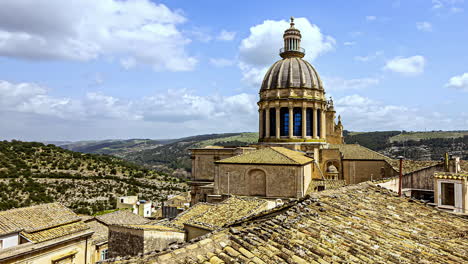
[[291, 72]]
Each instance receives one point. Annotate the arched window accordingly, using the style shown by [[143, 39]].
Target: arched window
[[319, 123], [284, 121], [297, 113], [272, 122], [309, 122]]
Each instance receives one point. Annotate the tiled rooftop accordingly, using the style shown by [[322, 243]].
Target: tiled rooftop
[[59, 231], [357, 152], [35, 218], [410, 166], [122, 217], [354, 224], [188, 214], [451, 176], [228, 211], [101, 231], [269, 155]]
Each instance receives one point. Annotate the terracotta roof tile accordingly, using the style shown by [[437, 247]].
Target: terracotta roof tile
[[35, 218], [354, 224], [357, 152], [228, 211], [270, 155], [59, 231]]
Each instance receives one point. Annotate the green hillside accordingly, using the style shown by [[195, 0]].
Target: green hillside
[[32, 173], [416, 136]]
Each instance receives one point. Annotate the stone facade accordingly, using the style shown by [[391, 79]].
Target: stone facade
[[134, 240], [263, 180]]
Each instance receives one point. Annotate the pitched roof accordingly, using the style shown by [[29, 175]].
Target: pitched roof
[[410, 166], [101, 231], [122, 217], [270, 155], [228, 211], [354, 224], [357, 152], [35, 218], [51, 233], [188, 214]]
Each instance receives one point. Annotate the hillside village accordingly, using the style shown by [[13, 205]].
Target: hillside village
[[299, 193]]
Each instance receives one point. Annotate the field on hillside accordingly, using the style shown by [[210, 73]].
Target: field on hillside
[[416, 136], [32, 173]]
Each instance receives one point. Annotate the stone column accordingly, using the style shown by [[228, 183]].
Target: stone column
[[323, 127], [304, 122], [291, 122], [267, 123], [314, 126], [260, 122], [277, 123]]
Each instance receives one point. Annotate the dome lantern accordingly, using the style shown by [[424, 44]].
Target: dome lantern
[[292, 42]]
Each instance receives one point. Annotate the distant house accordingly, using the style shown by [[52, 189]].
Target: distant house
[[140, 207], [46, 233]]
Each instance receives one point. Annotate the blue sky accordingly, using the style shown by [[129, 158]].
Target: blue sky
[[85, 69]]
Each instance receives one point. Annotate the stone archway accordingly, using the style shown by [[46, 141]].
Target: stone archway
[[257, 182]]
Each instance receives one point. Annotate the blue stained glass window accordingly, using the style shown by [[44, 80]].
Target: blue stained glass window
[[284, 122], [309, 122], [272, 122], [297, 113]]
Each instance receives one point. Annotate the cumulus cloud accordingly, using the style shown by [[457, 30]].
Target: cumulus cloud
[[339, 84], [371, 18], [451, 5], [84, 30], [226, 35], [424, 26], [221, 62], [459, 82], [365, 114], [179, 111], [260, 49], [408, 66]]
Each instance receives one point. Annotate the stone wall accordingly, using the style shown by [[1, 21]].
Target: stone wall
[[422, 179], [159, 240], [255, 180], [125, 241], [356, 171]]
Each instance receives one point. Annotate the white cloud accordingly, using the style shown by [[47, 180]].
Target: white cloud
[[409, 66], [336, 84], [221, 62], [369, 57], [179, 111], [361, 113], [371, 18], [128, 63], [450, 5], [349, 43], [260, 49], [424, 26], [459, 82], [84, 30], [226, 35]]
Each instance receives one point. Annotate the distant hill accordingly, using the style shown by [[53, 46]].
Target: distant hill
[[431, 145], [169, 155], [32, 173]]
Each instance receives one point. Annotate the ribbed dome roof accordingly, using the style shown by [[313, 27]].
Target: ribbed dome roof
[[291, 73]]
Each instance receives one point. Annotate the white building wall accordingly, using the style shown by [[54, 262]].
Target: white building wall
[[9, 240]]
